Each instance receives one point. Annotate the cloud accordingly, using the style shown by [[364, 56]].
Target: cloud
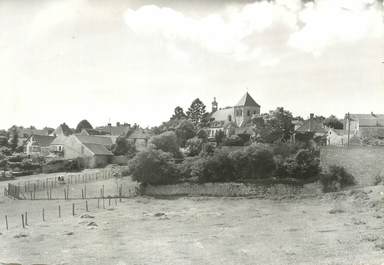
[[241, 33], [224, 34], [338, 21]]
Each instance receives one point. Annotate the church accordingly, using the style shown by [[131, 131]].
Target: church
[[236, 117]]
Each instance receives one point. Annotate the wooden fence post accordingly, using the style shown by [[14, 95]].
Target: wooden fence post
[[22, 220], [73, 209], [85, 191], [43, 215], [59, 211], [26, 218], [103, 203], [86, 205], [6, 222], [98, 203]]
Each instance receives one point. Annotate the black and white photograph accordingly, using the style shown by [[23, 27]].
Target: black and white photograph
[[191, 132]]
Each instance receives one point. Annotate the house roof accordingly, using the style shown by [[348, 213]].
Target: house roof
[[368, 120], [90, 139], [139, 134], [222, 114], [114, 130], [247, 101], [43, 140], [317, 126], [339, 132], [98, 149], [28, 131]]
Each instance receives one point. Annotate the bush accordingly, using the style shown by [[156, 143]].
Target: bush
[[305, 165], [153, 167], [255, 162], [336, 178], [167, 142], [185, 169], [123, 147], [214, 168], [194, 146], [233, 140]]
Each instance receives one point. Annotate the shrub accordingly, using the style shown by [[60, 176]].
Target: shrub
[[153, 167], [214, 168], [167, 142], [255, 162], [233, 140], [123, 147], [336, 178], [304, 165], [194, 146], [185, 169]]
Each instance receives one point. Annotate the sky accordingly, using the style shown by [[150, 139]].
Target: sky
[[134, 61]]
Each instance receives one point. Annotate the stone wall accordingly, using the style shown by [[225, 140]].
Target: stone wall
[[222, 190], [363, 162]]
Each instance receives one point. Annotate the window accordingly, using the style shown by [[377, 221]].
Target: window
[[248, 113]]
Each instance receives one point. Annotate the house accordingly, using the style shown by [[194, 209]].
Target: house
[[139, 137], [312, 125], [229, 118], [94, 149], [38, 145], [337, 137], [365, 125], [118, 130]]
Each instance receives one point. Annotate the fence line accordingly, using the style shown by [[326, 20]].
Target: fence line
[[30, 187]]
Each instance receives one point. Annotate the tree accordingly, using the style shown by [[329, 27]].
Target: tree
[[153, 167], [333, 122], [167, 142], [277, 126], [14, 139], [197, 113], [194, 146], [66, 130], [185, 131], [84, 124], [123, 147], [178, 114]]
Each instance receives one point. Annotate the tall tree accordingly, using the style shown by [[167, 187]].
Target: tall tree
[[197, 113], [178, 114], [185, 131], [276, 127], [14, 139], [333, 122], [84, 124]]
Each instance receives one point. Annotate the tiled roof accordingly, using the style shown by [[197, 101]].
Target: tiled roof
[[222, 114], [317, 126], [368, 120], [88, 139], [114, 130], [98, 149], [248, 101], [43, 140]]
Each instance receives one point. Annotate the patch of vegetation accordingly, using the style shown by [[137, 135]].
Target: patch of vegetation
[[336, 179]]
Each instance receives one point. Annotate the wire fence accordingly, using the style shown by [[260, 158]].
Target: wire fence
[[53, 212], [32, 189]]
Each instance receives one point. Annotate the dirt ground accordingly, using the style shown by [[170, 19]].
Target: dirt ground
[[340, 228]]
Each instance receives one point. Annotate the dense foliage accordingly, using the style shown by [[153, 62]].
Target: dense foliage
[[84, 124], [123, 147], [167, 142], [153, 167], [336, 178]]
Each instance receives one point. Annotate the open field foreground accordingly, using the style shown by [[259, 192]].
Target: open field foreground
[[342, 228]]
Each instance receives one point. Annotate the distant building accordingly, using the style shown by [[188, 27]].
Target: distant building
[[118, 130], [313, 125], [337, 137], [365, 125], [94, 149], [139, 137], [38, 145], [229, 118]]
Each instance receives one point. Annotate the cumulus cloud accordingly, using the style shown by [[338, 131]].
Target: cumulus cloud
[[239, 33]]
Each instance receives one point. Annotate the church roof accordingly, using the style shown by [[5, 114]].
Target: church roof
[[247, 101], [222, 114]]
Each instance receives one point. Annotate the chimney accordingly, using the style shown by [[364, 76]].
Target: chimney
[[109, 124], [311, 122], [214, 105], [373, 114], [117, 124]]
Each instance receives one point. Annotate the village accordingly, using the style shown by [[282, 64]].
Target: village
[[320, 164]]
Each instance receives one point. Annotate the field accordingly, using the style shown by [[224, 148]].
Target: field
[[340, 228]]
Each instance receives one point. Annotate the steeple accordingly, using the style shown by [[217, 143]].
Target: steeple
[[214, 105], [247, 101]]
